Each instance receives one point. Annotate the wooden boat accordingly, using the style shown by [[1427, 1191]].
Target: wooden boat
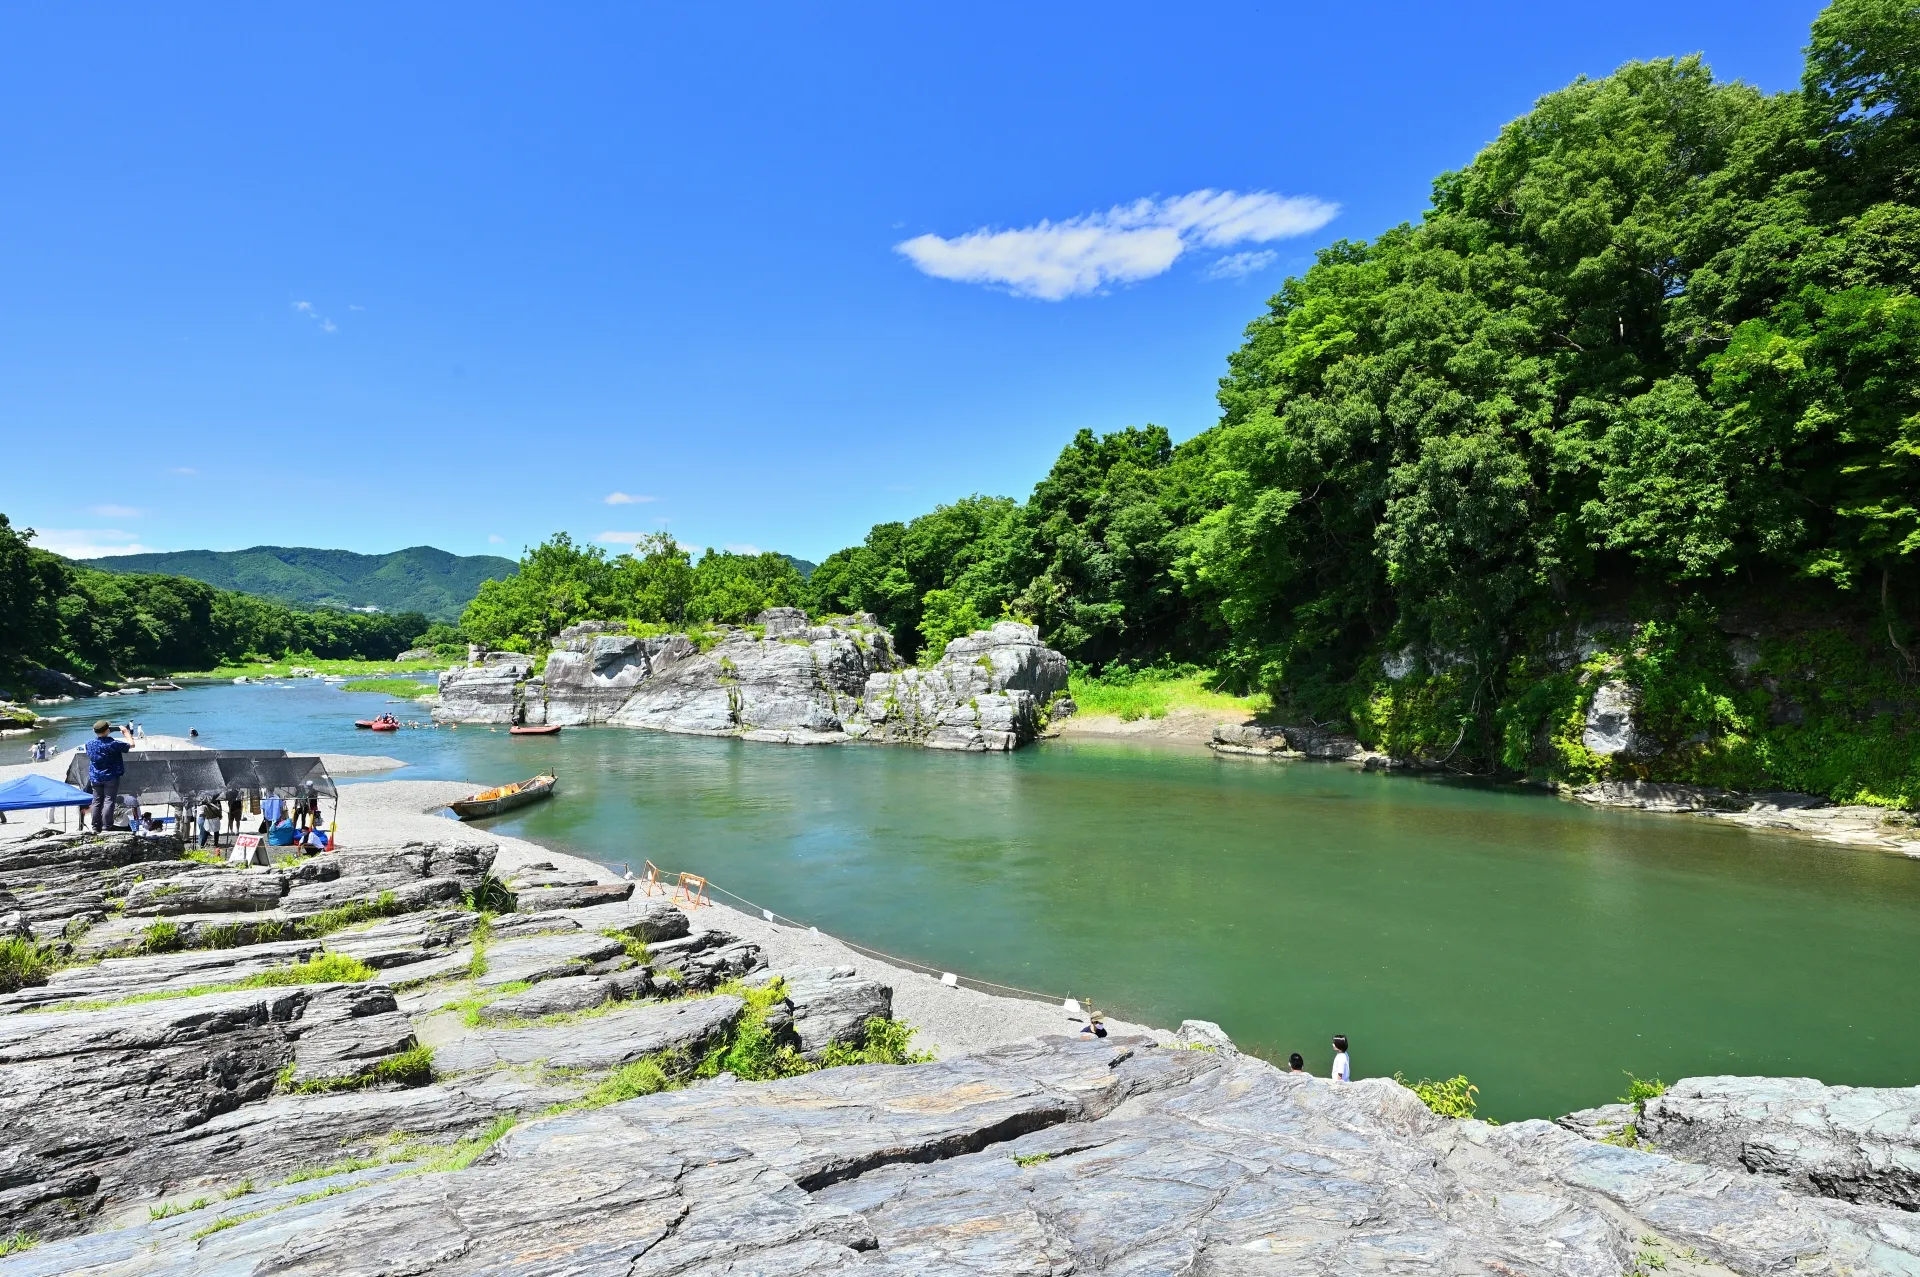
[[533, 731], [491, 802]]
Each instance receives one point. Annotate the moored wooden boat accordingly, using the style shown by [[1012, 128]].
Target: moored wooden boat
[[491, 802], [534, 731]]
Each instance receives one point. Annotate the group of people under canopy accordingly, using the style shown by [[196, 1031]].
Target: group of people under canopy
[[277, 793]]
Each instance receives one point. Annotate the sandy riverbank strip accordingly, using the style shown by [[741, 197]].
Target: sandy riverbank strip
[[948, 1021]]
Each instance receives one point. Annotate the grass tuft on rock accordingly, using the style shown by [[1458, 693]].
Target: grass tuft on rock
[[323, 968], [23, 962], [17, 1241], [412, 1067]]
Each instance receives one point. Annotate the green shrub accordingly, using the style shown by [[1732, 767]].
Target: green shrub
[[410, 1068], [18, 1241], [1451, 1097], [23, 962], [162, 937], [323, 968], [885, 1042]]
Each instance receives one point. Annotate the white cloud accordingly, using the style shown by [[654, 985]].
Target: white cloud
[[744, 548], [622, 498], [493, 540], [183, 470], [306, 308], [114, 511], [621, 538], [1124, 244], [89, 543], [1234, 265]]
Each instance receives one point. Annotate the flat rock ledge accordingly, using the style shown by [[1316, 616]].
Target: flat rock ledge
[[1054, 1155]]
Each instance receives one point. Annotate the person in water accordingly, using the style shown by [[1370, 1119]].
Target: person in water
[[1296, 1063], [1342, 1067]]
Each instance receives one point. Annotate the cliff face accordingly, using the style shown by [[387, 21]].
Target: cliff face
[[792, 682]]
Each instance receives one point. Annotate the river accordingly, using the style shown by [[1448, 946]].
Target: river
[[1540, 947]]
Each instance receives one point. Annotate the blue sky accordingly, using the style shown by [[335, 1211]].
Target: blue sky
[[383, 275]]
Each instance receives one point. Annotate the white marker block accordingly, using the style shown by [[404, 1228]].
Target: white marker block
[[951, 980], [1071, 1005], [767, 914]]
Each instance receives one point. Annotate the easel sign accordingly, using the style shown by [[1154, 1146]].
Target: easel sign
[[248, 851]]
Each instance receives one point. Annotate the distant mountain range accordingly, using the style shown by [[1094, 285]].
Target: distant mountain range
[[418, 579]]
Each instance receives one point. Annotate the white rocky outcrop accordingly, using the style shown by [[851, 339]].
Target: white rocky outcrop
[[800, 683], [1610, 727], [793, 681], [984, 694]]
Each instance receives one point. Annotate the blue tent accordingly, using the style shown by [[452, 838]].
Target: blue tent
[[32, 792]]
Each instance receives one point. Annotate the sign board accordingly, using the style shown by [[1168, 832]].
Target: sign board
[[248, 851]]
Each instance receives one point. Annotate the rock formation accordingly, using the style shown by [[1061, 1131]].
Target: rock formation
[[199, 1048], [1049, 1156], [788, 680], [984, 694]]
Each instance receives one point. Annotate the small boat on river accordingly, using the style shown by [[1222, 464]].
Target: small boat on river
[[384, 723], [534, 731], [491, 802]]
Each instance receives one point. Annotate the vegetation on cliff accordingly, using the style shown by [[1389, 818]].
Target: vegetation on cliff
[[1636, 400], [97, 625], [1638, 397]]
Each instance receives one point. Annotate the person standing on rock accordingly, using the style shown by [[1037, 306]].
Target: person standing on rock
[[106, 764], [1342, 1067]]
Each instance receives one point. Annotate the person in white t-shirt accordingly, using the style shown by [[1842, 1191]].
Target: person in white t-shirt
[[1342, 1068]]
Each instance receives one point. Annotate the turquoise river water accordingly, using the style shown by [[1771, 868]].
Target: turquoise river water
[[1542, 948]]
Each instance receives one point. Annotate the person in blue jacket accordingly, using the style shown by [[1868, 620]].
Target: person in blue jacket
[[106, 764]]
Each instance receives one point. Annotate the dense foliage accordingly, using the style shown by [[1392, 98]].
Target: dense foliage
[[561, 581], [418, 579], [1638, 397], [105, 625], [1636, 400]]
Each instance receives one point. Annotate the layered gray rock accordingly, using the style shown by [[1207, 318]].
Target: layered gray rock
[[807, 680], [598, 1043], [576, 896], [1857, 1143], [207, 891], [489, 693], [1048, 1156], [702, 960], [89, 1091], [825, 1005], [116, 978], [983, 695], [567, 994], [588, 677]]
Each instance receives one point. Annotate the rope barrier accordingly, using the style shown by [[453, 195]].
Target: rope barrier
[[770, 915]]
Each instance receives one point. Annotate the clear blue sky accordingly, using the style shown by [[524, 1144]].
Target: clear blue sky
[[370, 276]]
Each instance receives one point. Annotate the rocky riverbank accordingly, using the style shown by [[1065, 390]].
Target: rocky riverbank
[[786, 680], [337, 1064]]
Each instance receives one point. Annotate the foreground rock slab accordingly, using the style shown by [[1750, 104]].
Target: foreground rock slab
[[1051, 1156]]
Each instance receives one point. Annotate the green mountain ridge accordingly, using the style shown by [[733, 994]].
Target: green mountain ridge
[[417, 579]]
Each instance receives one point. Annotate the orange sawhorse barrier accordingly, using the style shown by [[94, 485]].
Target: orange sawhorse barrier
[[693, 890], [651, 879]]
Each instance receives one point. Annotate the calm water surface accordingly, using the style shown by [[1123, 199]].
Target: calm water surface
[[1542, 948]]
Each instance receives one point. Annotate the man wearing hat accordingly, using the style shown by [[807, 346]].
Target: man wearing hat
[[106, 764]]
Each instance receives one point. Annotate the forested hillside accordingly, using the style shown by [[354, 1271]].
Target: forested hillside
[[1636, 400], [1637, 397], [419, 579], [100, 625]]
